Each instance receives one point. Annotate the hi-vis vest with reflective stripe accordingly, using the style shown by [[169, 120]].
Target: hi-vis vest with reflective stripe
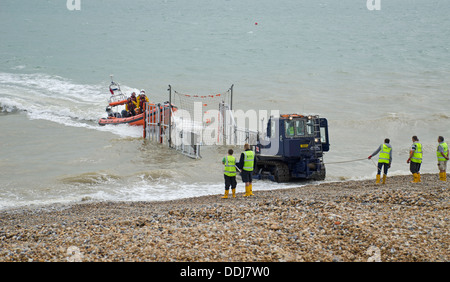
[[230, 168], [439, 155], [417, 157], [249, 158], [384, 154]]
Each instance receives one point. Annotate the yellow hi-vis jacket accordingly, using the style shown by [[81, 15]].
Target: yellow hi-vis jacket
[[444, 147], [417, 156], [385, 156], [230, 166], [249, 159]]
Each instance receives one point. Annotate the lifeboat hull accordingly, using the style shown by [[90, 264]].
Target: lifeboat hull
[[134, 120], [137, 120]]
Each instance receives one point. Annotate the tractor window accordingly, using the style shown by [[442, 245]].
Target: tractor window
[[289, 126], [300, 127], [310, 128], [323, 135], [273, 128]]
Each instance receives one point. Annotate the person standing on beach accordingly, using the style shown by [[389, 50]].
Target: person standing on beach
[[246, 164], [229, 174], [415, 159], [384, 160], [442, 157]]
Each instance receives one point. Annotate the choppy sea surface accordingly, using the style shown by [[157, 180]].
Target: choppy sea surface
[[373, 74]]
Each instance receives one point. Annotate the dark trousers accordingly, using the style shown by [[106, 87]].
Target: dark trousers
[[414, 167], [128, 114], [385, 169], [246, 176], [230, 181]]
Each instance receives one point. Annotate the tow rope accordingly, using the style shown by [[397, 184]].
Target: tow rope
[[350, 161], [356, 160]]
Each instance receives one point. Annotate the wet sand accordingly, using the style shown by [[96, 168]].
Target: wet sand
[[354, 221]]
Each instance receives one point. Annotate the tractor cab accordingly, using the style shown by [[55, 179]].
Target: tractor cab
[[293, 148], [296, 135]]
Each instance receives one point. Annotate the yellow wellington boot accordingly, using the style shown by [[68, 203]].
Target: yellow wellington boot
[[384, 179], [416, 178], [250, 190], [247, 191], [233, 192], [226, 194], [378, 179], [444, 176]]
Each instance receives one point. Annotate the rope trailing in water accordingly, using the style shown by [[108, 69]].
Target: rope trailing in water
[[350, 161]]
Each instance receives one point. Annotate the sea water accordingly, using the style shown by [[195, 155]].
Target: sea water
[[373, 73]]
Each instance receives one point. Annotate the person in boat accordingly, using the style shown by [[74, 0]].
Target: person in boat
[[130, 108], [133, 97], [111, 113], [141, 100]]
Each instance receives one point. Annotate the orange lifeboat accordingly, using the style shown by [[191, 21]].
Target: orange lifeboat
[[139, 119]]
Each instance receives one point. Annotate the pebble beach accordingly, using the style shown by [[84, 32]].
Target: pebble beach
[[350, 221]]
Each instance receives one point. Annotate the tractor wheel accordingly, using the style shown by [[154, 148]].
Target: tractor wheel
[[281, 172], [320, 175]]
